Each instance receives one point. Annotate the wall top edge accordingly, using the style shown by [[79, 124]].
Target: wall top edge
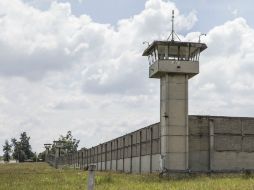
[[190, 116]]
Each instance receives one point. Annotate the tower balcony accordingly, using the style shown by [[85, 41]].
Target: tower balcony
[[161, 67], [173, 57]]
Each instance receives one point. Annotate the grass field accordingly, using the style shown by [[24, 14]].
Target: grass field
[[40, 176]]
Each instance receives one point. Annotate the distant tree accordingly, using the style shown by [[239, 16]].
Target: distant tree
[[70, 143], [7, 151], [18, 153], [25, 145], [22, 149]]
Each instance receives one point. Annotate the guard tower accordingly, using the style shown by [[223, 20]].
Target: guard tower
[[58, 145], [47, 147], [174, 63]]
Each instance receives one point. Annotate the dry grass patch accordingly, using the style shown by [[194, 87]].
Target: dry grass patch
[[33, 176]]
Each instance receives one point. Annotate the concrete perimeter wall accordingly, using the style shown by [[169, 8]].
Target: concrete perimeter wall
[[135, 152], [221, 143], [215, 144]]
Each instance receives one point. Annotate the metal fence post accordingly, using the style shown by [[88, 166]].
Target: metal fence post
[[91, 177]]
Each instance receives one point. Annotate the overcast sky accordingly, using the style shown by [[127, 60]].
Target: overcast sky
[[77, 65]]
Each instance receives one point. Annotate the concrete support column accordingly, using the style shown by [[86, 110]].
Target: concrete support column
[[105, 157], [151, 150], [78, 160], [140, 148], [117, 155], [123, 152], [111, 155], [46, 154], [174, 121], [211, 145], [57, 153], [131, 154], [101, 156], [97, 153], [86, 163], [82, 160], [47, 151], [75, 158]]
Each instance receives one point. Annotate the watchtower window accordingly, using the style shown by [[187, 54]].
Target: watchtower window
[[194, 54], [162, 52], [153, 56], [184, 53], [173, 52], [168, 50]]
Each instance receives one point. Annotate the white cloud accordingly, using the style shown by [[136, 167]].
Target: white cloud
[[34, 42], [61, 72], [224, 86], [54, 64]]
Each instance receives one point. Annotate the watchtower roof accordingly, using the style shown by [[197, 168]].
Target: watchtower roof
[[195, 45]]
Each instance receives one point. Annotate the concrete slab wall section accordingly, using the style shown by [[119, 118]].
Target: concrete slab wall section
[[108, 165], [233, 143], [113, 165], [232, 160], [135, 165], [103, 166], [120, 165], [156, 163], [145, 164], [215, 143], [198, 143], [127, 165], [99, 166]]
